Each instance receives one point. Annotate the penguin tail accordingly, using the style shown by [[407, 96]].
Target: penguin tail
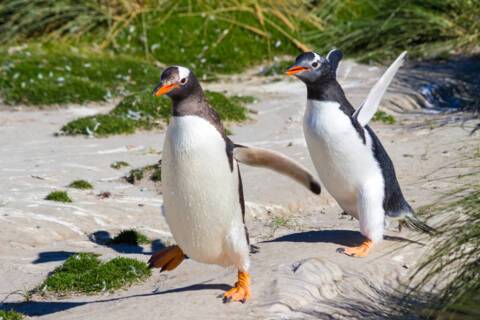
[[413, 223], [259, 157]]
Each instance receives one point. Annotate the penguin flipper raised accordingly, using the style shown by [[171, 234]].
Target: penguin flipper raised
[[259, 157], [366, 112]]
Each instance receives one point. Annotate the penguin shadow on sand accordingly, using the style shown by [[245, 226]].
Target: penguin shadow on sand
[[339, 237], [346, 238], [104, 238]]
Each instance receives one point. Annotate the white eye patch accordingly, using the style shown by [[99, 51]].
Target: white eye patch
[[316, 59], [183, 72]]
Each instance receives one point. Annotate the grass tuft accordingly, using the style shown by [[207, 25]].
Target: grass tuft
[[10, 315], [456, 259], [85, 273], [80, 184], [380, 29], [144, 111], [40, 75], [381, 116], [117, 165], [153, 171], [130, 237], [59, 196]]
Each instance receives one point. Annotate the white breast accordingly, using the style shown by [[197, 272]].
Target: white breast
[[342, 160], [201, 201]]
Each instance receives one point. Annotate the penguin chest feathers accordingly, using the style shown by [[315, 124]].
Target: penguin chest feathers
[[342, 159], [200, 190]]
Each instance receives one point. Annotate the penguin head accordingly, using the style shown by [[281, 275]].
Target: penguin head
[[310, 67], [177, 82]]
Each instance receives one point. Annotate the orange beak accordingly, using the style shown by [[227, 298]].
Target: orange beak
[[295, 69], [161, 90]]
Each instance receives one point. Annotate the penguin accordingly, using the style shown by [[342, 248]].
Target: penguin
[[202, 187], [350, 160]]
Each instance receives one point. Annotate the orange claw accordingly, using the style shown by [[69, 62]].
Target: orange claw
[[360, 251], [241, 291], [167, 259]]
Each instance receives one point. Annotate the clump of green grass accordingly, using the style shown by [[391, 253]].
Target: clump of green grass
[[85, 273], [281, 222], [80, 184], [455, 260], [153, 171], [207, 36], [380, 29], [144, 111], [384, 117], [40, 75], [117, 165], [10, 315], [59, 196], [130, 237]]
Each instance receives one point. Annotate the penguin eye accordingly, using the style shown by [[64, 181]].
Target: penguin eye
[[183, 81], [315, 64]]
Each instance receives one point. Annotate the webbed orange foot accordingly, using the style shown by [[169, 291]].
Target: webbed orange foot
[[167, 259], [360, 251], [241, 291]]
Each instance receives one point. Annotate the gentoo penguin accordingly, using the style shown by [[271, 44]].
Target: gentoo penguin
[[202, 186], [350, 160]]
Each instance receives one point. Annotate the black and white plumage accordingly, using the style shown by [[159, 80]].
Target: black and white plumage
[[201, 182], [350, 159]]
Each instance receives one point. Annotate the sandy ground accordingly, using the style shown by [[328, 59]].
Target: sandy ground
[[297, 274]]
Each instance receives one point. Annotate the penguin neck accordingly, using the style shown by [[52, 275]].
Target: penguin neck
[[195, 104], [329, 90], [192, 103]]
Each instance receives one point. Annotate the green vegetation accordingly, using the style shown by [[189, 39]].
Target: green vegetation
[[380, 29], [144, 111], [80, 184], [64, 51], [42, 75], [153, 171], [10, 315], [281, 222], [85, 273], [455, 258], [384, 117], [117, 165], [130, 237], [59, 196]]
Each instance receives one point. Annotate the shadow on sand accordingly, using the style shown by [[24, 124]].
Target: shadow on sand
[[104, 238], [50, 256], [41, 308], [340, 237], [347, 238]]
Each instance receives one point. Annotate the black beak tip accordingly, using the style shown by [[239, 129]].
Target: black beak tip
[[154, 93]]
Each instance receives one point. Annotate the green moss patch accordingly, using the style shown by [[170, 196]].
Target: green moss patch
[[152, 172], [85, 273], [80, 184], [59, 196], [381, 116], [10, 315], [117, 165], [144, 111], [130, 237]]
